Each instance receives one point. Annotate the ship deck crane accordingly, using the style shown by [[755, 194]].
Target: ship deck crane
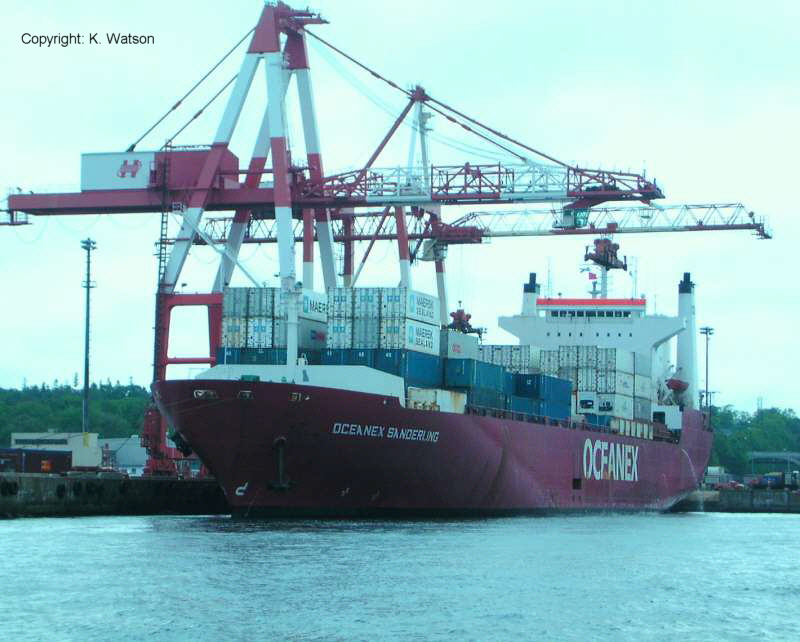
[[304, 203]]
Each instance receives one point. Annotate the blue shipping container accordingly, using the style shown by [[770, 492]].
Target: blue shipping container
[[554, 409], [469, 373], [332, 357], [359, 357], [487, 398], [228, 355], [540, 386], [524, 404]]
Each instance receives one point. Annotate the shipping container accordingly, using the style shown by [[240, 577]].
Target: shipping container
[[585, 401], [24, 460], [340, 303], [417, 368], [311, 335], [545, 387], [642, 386], [228, 355], [355, 357], [402, 303], [524, 405], [487, 399], [410, 335], [642, 365], [522, 359], [259, 332], [568, 356], [469, 373], [457, 345], [570, 374], [260, 302], [587, 378], [366, 332], [340, 333], [554, 409], [234, 332], [642, 408], [614, 405], [587, 357], [333, 357], [310, 305], [615, 359]]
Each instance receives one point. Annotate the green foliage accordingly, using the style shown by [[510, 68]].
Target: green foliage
[[737, 433], [114, 410]]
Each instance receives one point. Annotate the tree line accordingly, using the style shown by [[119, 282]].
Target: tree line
[[115, 410]]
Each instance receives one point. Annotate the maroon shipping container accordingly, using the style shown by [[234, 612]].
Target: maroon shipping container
[[23, 460]]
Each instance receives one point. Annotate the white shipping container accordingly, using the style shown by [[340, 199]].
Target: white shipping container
[[260, 302], [615, 359], [615, 405], [340, 333], [311, 305], [457, 345], [409, 335], [234, 332], [587, 378], [311, 335], [234, 302], [340, 303], [409, 304], [642, 386], [259, 332], [568, 356], [569, 373], [587, 356], [586, 401], [367, 302], [366, 332]]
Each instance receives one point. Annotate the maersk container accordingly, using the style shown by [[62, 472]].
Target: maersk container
[[340, 303], [457, 345], [310, 305], [409, 335], [340, 333], [366, 332], [402, 303]]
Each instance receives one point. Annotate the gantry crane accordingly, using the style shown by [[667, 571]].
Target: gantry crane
[[291, 203]]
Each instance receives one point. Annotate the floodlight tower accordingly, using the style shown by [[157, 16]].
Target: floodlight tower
[[88, 245]]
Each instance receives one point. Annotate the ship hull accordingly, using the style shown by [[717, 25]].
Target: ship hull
[[291, 450]]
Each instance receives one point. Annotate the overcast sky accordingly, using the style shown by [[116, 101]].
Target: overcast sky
[[704, 96]]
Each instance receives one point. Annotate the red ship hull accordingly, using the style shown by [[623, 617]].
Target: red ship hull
[[292, 450]]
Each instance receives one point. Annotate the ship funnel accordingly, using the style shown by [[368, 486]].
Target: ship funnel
[[530, 291], [687, 342]]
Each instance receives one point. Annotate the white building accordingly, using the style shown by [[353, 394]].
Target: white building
[[83, 445]]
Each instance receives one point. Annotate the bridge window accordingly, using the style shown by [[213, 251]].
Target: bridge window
[[580, 313], [554, 313], [617, 313]]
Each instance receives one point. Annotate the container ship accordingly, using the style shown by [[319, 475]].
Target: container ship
[[384, 412]]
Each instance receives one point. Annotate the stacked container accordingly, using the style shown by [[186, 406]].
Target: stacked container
[[255, 319], [524, 359]]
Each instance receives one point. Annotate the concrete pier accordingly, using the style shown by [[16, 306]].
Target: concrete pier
[[741, 501], [41, 495]]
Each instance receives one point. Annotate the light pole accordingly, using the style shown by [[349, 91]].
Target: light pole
[[707, 331], [88, 245]]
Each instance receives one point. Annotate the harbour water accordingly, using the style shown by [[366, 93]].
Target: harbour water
[[681, 576]]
